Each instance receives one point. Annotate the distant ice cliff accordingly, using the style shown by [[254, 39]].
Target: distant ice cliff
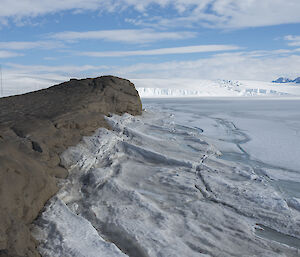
[[199, 88]]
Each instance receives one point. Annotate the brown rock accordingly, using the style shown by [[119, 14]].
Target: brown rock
[[35, 128]]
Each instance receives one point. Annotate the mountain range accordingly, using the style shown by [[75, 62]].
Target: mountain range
[[286, 80]]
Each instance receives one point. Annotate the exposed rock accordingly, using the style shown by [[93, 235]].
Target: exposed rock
[[35, 128]]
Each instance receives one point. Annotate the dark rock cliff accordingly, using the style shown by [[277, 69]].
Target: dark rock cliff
[[35, 128]]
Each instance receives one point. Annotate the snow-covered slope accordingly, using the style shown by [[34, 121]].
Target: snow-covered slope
[[16, 84], [199, 88]]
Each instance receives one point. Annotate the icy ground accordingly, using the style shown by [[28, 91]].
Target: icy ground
[[182, 180]]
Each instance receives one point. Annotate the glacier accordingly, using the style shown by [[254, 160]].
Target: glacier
[[153, 88], [181, 180], [14, 84]]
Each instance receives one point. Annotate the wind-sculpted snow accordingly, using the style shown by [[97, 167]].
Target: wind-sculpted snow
[[151, 187]]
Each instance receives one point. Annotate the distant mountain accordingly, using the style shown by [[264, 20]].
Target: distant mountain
[[297, 80], [286, 80], [282, 80]]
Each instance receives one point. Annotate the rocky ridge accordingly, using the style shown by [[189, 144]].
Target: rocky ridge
[[35, 128]]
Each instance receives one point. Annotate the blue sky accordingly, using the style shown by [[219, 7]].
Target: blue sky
[[208, 39]]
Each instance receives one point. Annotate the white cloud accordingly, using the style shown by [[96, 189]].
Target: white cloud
[[293, 40], [8, 54], [125, 36], [71, 70], [216, 13], [268, 53], [233, 14], [239, 65], [256, 13], [163, 51], [22, 45], [220, 66]]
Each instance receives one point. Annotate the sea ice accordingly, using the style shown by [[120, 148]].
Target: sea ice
[[157, 185]]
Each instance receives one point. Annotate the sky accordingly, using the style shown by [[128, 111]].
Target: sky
[[200, 39]]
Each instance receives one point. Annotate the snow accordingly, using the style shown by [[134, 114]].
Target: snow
[[74, 235], [178, 181], [14, 84], [149, 88], [272, 125]]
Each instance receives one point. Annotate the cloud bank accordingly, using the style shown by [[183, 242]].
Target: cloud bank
[[8, 54], [163, 51], [124, 35], [239, 65], [213, 13]]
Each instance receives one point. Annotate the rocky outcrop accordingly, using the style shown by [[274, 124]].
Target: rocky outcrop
[[35, 128]]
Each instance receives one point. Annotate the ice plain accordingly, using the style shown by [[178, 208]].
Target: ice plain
[[182, 180]]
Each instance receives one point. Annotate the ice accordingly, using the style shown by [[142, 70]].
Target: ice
[[66, 234], [178, 181], [157, 88], [14, 84], [294, 203], [268, 130]]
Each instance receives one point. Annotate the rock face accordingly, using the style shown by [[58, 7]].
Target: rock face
[[35, 128]]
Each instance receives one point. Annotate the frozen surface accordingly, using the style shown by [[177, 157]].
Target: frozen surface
[[74, 235], [267, 129], [203, 88], [180, 181]]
